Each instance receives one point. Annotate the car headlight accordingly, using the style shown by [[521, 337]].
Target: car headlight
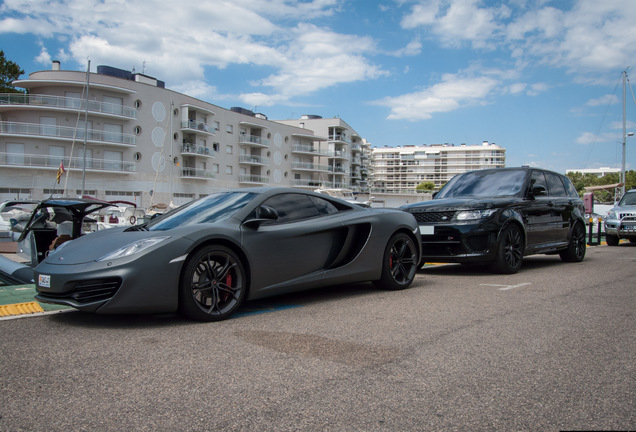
[[474, 214], [133, 248], [611, 215]]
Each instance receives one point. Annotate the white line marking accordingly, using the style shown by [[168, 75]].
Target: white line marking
[[507, 287]]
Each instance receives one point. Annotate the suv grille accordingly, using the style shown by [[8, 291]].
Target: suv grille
[[434, 217]]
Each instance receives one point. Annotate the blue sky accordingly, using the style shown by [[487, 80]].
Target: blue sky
[[540, 78]]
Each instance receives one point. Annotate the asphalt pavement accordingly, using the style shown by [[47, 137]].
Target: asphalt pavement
[[550, 348]]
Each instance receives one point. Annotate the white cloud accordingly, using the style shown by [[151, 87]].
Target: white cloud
[[454, 92], [608, 99]]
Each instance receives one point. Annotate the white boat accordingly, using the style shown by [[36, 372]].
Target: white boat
[[343, 194]]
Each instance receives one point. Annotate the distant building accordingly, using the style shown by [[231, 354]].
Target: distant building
[[402, 169], [132, 139], [599, 172]]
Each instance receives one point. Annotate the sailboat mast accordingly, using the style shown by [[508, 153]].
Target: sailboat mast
[[88, 74]]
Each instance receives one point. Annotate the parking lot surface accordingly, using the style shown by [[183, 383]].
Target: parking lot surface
[[548, 348]]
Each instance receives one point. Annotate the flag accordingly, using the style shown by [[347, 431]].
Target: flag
[[60, 171]]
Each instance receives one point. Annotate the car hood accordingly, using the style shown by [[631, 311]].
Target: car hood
[[624, 209], [463, 203], [91, 247]]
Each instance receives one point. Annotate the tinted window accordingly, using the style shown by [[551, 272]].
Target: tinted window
[[324, 206], [484, 184], [555, 185], [292, 207], [212, 208], [570, 187], [538, 179]]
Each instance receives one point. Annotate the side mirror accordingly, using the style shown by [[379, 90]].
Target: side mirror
[[538, 190], [264, 214]]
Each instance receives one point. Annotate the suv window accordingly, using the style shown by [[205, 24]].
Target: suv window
[[570, 188], [555, 185], [538, 179]]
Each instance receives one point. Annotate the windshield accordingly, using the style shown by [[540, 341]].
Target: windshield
[[212, 208], [628, 199], [484, 184]]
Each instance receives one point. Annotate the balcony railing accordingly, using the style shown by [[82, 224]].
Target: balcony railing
[[198, 126], [253, 159], [192, 149], [311, 183], [338, 154], [253, 139], [309, 166], [69, 103], [196, 173], [45, 161], [340, 137], [308, 149], [253, 179], [65, 132]]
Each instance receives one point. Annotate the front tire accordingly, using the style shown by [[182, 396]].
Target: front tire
[[575, 252], [611, 240], [509, 251], [213, 284], [399, 263]]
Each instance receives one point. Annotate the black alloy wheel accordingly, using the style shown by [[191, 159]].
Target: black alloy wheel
[[399, 264], [509, 250], [575, 252], [213, 284]]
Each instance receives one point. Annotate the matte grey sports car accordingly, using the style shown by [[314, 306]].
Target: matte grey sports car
[[210, 255]]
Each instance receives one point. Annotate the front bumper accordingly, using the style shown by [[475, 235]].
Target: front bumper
[[624, 228], [459, 243]]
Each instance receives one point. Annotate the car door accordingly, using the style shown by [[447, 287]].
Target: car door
[[537, 212], [298, 243], [560, 204]]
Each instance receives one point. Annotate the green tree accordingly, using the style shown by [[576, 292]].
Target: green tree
[[426, 186], [9, 71], [581, 181]]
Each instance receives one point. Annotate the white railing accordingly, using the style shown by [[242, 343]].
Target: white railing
[[75, 104], [198, 126], [65, 132], [196, 173], [255, 159], [309, 166], [253, 179], [45, 161], [253, 139]]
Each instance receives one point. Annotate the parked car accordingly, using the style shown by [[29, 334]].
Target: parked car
[[620, 221], [208, 256], [498, 216], [54, 221]]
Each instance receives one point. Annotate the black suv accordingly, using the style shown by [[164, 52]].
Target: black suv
[[498, 216]]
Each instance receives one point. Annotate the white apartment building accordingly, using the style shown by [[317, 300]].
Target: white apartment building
[[130, 138], [346, 156], [399, 170], [598, 172]]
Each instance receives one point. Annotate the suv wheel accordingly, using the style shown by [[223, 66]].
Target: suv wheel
[[611, 240], [509, 251], [575, 252]]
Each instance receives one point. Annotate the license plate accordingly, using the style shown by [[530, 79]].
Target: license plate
[[427, 229], [44, 281]]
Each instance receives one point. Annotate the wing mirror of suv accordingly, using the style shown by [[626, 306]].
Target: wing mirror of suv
[[538, 190]]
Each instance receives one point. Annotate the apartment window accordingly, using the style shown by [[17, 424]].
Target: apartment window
[[15, 154], [89, 158], [229, 128], [113, 105], [228, 169], [113, 160], [47, 126], [215, 146], [113, 132], [56, 155], [215, 168], [72, 100], [229, 149], [217, 125]]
